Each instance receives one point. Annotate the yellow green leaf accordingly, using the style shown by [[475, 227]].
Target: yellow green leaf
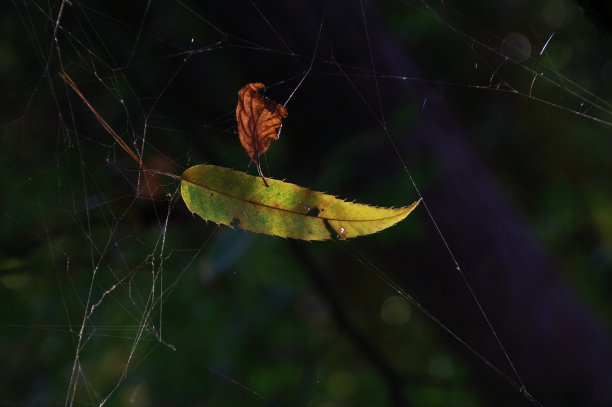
[[236, 199]]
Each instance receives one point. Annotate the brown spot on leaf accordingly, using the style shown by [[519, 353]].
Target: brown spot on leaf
[[313, 211]]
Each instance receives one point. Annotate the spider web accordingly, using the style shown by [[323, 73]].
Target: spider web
[[114, 294]]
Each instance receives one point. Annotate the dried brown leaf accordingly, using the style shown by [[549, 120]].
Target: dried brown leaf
[[259, 120]]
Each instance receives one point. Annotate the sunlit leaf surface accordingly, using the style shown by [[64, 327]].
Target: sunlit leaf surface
[[236, 199]]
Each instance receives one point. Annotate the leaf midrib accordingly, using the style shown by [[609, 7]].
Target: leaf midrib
[[290, 211]]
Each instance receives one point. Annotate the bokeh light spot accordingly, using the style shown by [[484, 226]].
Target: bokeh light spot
[[395, 311]]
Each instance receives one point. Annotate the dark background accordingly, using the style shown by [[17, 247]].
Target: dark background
[[514, 171]]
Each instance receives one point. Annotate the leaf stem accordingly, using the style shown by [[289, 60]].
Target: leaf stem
[[261, 174]]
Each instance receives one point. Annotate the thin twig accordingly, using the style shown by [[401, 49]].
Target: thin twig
[[101, 120]]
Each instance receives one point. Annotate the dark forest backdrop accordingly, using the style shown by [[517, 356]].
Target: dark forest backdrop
[[515, 171]]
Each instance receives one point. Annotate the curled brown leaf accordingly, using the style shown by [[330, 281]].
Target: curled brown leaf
[[259, 121]]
